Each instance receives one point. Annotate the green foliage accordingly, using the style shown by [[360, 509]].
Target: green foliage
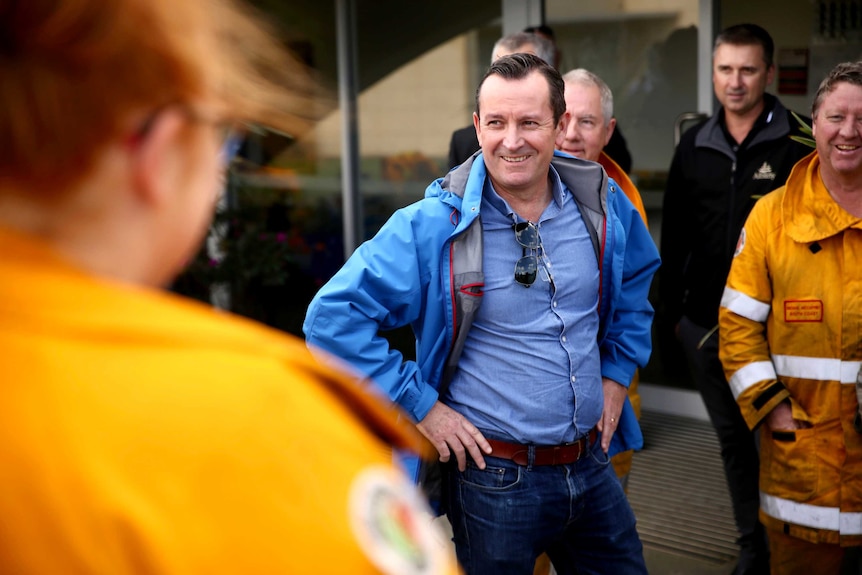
[[805, 129], [248, 251]]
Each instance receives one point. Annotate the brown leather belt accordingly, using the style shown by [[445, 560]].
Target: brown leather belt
[[543, 454]]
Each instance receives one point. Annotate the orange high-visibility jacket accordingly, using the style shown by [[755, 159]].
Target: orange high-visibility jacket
[[791, 329], [625, 183], [143, 433]]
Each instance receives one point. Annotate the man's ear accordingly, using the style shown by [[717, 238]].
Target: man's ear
[[154, 159], [611, 125], [477, 127], [562, 125]]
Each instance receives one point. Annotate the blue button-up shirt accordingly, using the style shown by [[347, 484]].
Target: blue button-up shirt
[[530, 371]]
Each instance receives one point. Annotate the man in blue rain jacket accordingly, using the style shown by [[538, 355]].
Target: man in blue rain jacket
[[516, 374]]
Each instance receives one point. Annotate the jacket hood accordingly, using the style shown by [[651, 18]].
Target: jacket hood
[[590, 176], [462, 186], [456, 180], [808, 211]]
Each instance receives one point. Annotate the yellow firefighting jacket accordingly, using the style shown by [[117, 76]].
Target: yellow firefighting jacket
[[790, 328], [143, 433]]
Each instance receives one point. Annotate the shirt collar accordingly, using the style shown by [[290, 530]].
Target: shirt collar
[[558, 190]]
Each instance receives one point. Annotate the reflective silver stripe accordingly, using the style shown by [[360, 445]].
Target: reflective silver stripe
[[751, 374], [817, 368], [744, 305], [830, 518], [850, 523]]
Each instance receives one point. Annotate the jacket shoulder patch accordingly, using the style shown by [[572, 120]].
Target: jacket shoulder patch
[[740, 243], [393, 524]]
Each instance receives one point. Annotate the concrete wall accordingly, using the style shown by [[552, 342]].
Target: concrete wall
[[413, 109]]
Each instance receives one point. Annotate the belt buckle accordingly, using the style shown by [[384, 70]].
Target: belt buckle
[[579, 447]]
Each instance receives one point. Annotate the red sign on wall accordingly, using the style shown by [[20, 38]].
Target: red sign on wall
[[793, 71]]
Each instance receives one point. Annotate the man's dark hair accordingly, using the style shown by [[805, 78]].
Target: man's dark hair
[[519, 66], [748, 35], [844, 73]]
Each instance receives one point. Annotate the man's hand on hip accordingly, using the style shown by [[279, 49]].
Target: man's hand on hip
[[449, 432]]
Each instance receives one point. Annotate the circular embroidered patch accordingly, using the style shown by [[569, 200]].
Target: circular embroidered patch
[[740, 243], [393, 524]]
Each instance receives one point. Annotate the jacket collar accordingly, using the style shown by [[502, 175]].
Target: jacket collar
[[586, 180], [771, 125], [809, 212], [456, 180]]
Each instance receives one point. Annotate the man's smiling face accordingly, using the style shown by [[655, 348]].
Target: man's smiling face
[[838, 131], [517, 132]]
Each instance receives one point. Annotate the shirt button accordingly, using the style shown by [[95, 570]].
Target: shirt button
[[555, 303], [564, 338], [574, 379]]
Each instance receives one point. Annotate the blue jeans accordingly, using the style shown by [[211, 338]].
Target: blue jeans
[[505, 516]]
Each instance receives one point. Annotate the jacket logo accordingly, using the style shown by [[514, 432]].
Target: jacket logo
[[392, 524], [764, 172], [803, 310], [740, 243]]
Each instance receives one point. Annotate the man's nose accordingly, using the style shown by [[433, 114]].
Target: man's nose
[[849, 127], [513, 137]]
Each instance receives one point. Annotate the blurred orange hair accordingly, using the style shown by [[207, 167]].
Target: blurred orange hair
[[73, 71]]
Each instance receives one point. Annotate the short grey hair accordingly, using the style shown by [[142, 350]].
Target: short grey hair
[[584, 77], [512, 43]]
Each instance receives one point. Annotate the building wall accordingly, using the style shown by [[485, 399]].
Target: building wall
[[790, 25], [644, 49], [413, 109], [416, 107]]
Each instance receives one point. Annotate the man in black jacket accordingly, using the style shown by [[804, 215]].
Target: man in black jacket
[[720, 168]]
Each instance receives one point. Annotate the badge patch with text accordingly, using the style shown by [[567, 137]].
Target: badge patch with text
[[803, 310]]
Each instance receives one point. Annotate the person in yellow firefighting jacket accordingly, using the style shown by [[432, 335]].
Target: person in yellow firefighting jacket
[[140, 432], [791, 341]]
